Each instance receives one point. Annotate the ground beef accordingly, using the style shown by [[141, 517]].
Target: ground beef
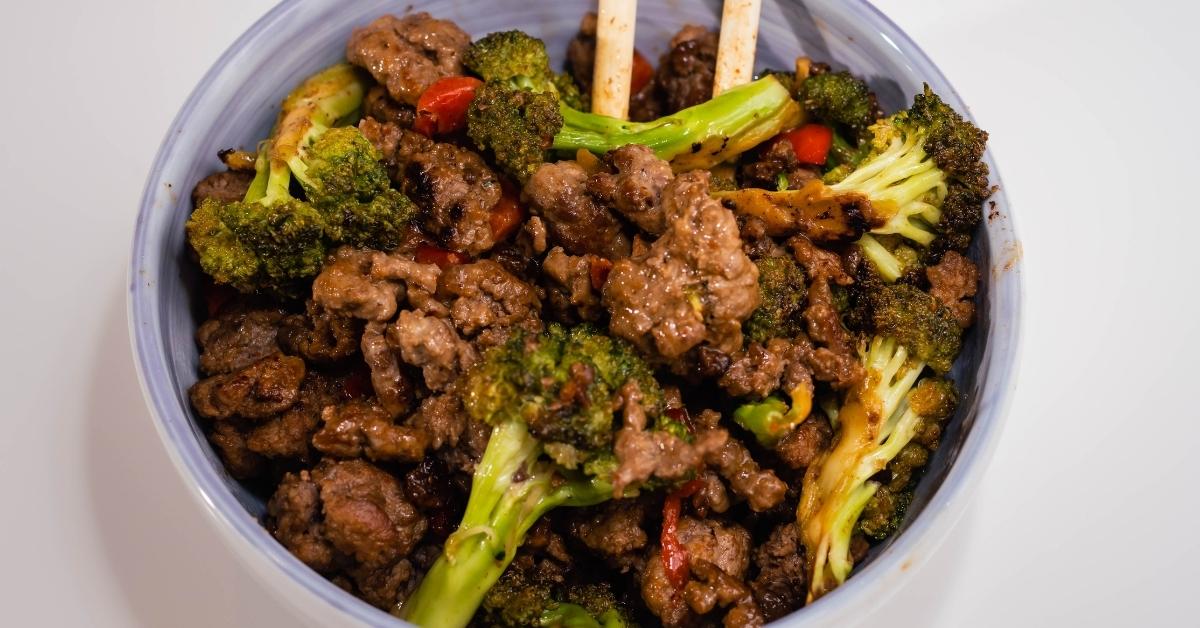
[[385, 136], [570, 288], [755, 372], [346, 286], [288, 436], [780, 586], [759, 487], [352, 518], [645, 104], [224, 187], [430, 489], [485, 301], [576, 221], [408, 54], [442, 419], [718, 557], [635, 187], [835, 360], [379, 106], [685, 73], [260, 390], [230, 443], [953, 281], [236, 339], [320, 335], [614, 531], [761, 169], [391, 385], [800, 447], [363, 428], [432, 345], [694, 285], [643, 454], [712, 496], [420, 280]]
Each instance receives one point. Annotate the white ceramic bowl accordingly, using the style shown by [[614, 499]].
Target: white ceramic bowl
[[235, 104]]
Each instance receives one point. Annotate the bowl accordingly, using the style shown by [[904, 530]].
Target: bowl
[[235, 104]]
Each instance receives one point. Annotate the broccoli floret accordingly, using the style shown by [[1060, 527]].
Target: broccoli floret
[[841, 100], [522, 600], [875, 423], [550, 398], [913, 317], [890, 256], [520, 60], [772, 418], [517, 126], [782, 289]]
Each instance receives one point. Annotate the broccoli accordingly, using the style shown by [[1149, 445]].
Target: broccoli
[[517, 126], [782, 289], [772, 418], [911, 316], [520, 60], [521, 600], [875, 423], [550, 399], [839, 100]]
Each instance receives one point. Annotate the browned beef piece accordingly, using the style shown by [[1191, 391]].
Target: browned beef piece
[[236, 339], [379, 105], [762, 168], [463, 457], [712, 496], [953, 281], [485, 301], [755, 372], [349, 518], [718, 557], [320, 335], [780, 584], [363, 428], [230, 444], [385, 136], [635, 187], [645, 104], [755, 241], [643, 454], [442, 419], [685, 73], [569, 286], [576, 221], [391, 385], [801, 446], [266, 387], [420, 280], [346, 286], [408, 54], [226, 187], [431, 344], [759, 487], [430, 488], [288, 435], [694, 285], [614, 531], [454, 189], [835, 360]]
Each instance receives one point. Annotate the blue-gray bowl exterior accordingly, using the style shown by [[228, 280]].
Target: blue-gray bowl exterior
[[235, 104]]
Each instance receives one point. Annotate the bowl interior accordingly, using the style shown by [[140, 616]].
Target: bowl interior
[[235, 105]]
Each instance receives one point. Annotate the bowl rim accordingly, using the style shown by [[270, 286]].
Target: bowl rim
[[847, 603]]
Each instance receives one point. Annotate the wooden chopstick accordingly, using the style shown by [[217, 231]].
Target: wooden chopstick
[[614, 57], [735, 50]]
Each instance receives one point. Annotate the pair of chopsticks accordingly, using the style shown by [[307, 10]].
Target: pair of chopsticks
[[614, 51]]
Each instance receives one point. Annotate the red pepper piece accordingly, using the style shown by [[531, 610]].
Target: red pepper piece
[[811, 143], [674, 554], [442, 107], [444, 258]]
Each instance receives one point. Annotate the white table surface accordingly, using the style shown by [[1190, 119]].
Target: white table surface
[[1089, 511]]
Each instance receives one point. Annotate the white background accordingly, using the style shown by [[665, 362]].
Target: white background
[[1089, 512]]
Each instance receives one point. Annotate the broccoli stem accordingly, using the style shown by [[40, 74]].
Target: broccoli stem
[[696, 137], [771, 419]]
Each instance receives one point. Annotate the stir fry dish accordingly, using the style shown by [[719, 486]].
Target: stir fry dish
[[494, 359]]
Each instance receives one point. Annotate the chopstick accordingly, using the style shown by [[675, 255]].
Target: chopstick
[[614, 57], [735, 49]]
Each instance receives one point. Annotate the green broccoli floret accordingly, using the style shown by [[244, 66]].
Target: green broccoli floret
[[782, 289], [520, 60], [911, 316], [517, 126], [550, 398], [841, 100], [522, 600]]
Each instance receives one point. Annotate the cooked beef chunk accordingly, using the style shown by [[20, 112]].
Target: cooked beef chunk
[[643, 454], [712, 496], [351, 518], [718, 555], [645, 104], [953, 281], [420, 280], [432, 345], [780, 584], [288, 435], [442, 419], [363, 428], [408, 54], [762, 168], [756, 372], [430, 488], [391, 385], [486, 301], [378, 105], [226, 187], [266, 387], [571, 290], [801, 446], [694, 285], [385, 136], [230, 443], [346, 286], [236, 339], [760, 487], [685, 73], [836, 360], [755, 241], [320, 335], [614, 531], [576, 221], [634, 189]]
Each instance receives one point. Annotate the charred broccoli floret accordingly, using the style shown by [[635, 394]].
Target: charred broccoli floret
[[782, 289], [522, 600], [840, 100], [913, 317], [517, 126], [550, 398], [520, 60]]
